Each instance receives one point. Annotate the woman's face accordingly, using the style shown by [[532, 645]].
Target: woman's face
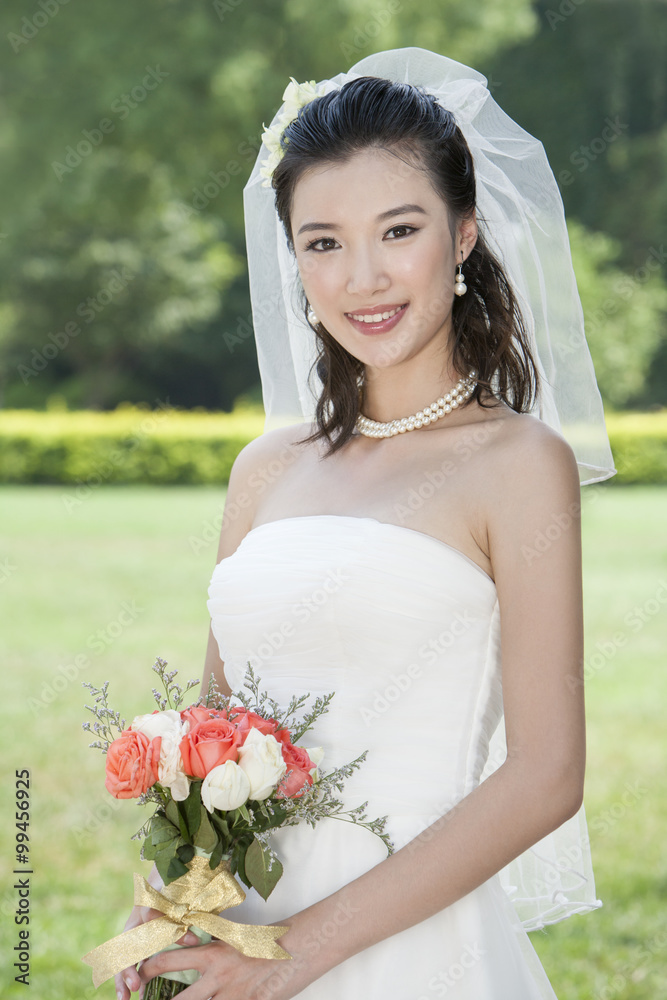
[[372, 238]]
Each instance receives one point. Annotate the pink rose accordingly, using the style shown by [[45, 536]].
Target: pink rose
[[132, 764], [209, 744], [201, 714], [244, 720], [300, 765]]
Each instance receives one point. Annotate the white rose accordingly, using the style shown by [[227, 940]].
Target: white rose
[[225, 787], [170, 770], [159, 724], [169, 727], [261, 757]]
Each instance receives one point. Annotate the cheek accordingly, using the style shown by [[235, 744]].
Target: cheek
[[320, 283], [428, 264]]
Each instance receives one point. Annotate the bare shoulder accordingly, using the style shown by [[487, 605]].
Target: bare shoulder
[[259, 463], [274, 445], [527, 452], [534, 494]]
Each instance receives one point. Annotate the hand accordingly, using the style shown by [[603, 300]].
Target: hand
[[226, 974], [129, 980]]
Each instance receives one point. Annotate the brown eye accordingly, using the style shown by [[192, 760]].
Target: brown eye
[[402, 231], [313, 245]]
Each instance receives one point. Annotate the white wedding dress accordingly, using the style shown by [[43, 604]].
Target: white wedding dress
[[406, 630]]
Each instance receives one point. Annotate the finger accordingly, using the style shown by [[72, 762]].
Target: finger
[[129, 978], [189, 939], [122, 991], [174, 961]]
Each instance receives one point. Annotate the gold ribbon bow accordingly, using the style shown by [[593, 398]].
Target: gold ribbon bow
[[195, 898]]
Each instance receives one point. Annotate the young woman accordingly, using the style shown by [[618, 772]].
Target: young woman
[[389, 549]]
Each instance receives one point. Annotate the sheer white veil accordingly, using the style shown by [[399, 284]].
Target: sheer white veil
[[518, 197], [520, 202]]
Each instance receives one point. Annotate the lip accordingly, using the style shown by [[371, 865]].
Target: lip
[[384, 325]]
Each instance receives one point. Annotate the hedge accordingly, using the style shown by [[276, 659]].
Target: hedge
[[639, 446], [135, 445], [128, 445]]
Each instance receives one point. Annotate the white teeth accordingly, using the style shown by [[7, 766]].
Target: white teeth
[[376, 317]]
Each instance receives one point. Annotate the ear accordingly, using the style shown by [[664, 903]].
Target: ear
[[466, 237]]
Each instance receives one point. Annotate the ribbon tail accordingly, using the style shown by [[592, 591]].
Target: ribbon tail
[[255, 941], [132, 946]]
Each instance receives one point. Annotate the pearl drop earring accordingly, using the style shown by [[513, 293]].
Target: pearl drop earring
[[312, 318], [460, 287]]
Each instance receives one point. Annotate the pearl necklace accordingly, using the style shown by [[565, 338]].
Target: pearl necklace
[[442, 406]]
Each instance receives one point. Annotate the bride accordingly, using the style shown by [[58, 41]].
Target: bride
[[431, 466]]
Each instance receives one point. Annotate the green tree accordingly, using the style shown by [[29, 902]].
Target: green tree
[[592, 86], [128, 133], [624, 313]]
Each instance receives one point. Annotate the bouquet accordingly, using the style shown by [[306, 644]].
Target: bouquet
[[222, 774]]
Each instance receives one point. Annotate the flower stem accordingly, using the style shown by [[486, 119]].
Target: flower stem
[[163, 989]]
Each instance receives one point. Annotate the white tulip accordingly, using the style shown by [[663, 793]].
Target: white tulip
[[316, 754], [261, 757], [225, 787]]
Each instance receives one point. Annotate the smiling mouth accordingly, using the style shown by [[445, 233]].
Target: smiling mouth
[[377, 317]]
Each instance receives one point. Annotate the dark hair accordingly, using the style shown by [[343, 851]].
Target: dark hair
[[407, 121]]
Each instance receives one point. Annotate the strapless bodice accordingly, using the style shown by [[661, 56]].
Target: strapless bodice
[[403, 627]]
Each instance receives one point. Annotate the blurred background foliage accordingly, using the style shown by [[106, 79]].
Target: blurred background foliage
[[128, 132]]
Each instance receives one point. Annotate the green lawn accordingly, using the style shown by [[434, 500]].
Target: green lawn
[[97, 590]]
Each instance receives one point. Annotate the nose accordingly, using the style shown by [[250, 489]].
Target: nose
[[367, 273]]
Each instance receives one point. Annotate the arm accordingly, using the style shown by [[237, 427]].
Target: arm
[[539, 786], [245, 483], [248, 481]]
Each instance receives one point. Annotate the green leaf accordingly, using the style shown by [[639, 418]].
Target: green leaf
[[262, 868], [206, 837], [238, 863], [162, 862], [162, 830], [185, 853], [221, 825], [216, 856], [172, 812], [191, 810], [175, 870], [148, 850]]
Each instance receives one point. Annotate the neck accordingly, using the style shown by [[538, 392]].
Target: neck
[[392, 393]]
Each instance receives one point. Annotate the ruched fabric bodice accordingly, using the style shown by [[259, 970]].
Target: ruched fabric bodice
[[405, 629]]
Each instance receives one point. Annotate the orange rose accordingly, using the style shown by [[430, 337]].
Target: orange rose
[[244, 720], [300, 765], [132, 764], [201, 714], [209, 744]]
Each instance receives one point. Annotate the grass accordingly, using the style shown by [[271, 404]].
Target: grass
[[122, 578]]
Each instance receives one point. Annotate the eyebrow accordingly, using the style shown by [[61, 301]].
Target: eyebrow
[[382, 217]]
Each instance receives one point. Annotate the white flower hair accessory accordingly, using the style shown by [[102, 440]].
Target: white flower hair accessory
[[296, 96]]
